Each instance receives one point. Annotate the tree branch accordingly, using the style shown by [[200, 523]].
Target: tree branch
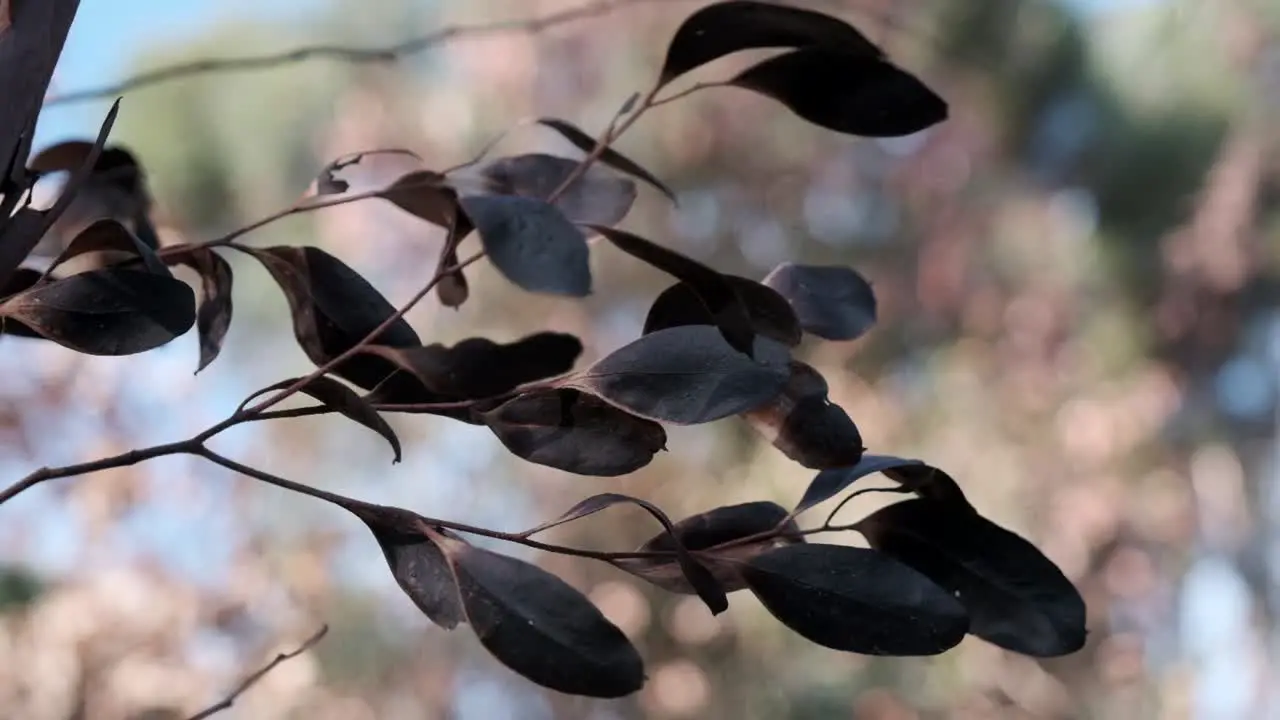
[[253, 679], [383, 55]]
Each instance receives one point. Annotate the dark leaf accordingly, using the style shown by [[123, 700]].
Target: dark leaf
[[334, 308], [21, 279], [834, 303], [770, 314], [707, 530], [831, 482], [571, 431], [480, 368], [598, 196], [74, 153], [804, 425], [856, 600], [416, 561], [452, 290], [334, 395], [685, 375], [425, 194], [532, 244], [713, 289], [112, 311], [1016, 597], [728, 27], [929, 482], [610, 157], [109, 236], [848, 93], [539, 626], [23, 231], [695, 576], [214, 317]]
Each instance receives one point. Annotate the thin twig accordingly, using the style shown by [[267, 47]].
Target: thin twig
[[253, 679], [382, 55]]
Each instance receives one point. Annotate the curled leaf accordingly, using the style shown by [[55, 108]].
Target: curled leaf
[[334, 395], [568, 430], [329, 184], [703, 533], [856, 600], [609, 156], [1015, 596], [685, 375], [834, 303], [804, 425], [112, 311], [539, 626], [728, 27], [531, 243], [214, 316], [849, 93]]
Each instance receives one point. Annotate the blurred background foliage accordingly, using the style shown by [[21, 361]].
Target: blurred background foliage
[[1077, 276]]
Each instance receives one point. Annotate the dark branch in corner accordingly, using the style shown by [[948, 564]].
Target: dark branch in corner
[[253, 679], [382, 55]]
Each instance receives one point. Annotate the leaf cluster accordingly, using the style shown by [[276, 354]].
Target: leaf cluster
[[713, 347]]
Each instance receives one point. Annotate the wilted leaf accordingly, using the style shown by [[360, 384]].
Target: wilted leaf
[[834, 303], [707, 530], [478, 368], [695, 576], [328, 184], [334, 395], [856, 600], [597, 196], [685, 375], [425, 194], [1016, 597], [214, 317], [804, 425], [108, 235], [536, 624], [112, 311], [416, 561], [610, 157], [727, 27], [770, 314], [846, 92], [334, 308], [452, 290], [531, 243], [571, 431], [831, 482]]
